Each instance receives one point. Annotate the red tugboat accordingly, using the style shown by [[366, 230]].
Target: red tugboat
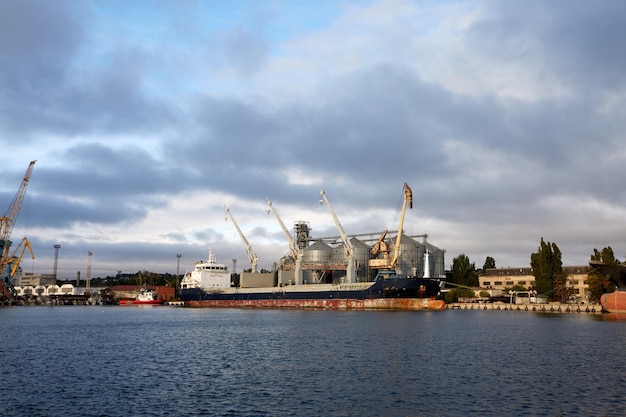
[[613, 302], [144, 297]]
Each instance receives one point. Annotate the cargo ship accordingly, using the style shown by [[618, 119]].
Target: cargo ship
[[613, 302], [209, 285]]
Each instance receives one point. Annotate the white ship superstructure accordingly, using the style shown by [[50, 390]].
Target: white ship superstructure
[[208, 275]]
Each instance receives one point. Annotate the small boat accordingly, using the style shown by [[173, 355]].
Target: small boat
[[145, 296]]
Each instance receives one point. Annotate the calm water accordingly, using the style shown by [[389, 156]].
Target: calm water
[[163, 361]]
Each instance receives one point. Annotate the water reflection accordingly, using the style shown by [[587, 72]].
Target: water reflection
[[611, 317]]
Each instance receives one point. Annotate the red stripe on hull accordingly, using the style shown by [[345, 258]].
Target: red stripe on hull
[[139, 303], [331, 304], [614, 302]]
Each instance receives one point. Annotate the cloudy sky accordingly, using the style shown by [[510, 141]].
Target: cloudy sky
[[507, 119]]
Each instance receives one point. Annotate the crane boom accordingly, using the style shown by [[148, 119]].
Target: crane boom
[[350, 268], [347, 244], [387, 263], [251, 255], [295, 251], [7, 222], [408, 201], [16, 259]]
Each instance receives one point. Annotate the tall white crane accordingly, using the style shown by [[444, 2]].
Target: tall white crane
[[350, 271], [296, 252], [251, 255]]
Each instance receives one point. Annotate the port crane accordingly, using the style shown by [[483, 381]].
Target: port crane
[[251, 255], [15, 259], [382, 247], [296, 252], [7, 222], [347, 245]]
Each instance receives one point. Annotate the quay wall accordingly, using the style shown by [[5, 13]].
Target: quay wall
[[537, 308]]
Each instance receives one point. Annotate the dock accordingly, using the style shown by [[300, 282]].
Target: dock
[[537, 308]]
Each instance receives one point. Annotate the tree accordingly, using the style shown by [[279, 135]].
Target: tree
[[454, 294], [606, 256], [597, 285], [464, 272], [547, 268], [490, 263]]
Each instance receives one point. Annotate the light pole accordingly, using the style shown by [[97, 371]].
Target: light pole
[[178, 255], [88, 281]]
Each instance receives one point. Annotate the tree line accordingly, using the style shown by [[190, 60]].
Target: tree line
[[547, 268]]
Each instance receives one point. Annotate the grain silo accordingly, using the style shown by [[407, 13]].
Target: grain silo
[[315, 258], [317, 253], [361, 255], [407, 257]]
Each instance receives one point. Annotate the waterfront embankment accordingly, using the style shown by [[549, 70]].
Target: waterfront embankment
[[541, 308]]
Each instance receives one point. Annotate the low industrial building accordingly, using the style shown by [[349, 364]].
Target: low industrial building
[[26, 279], [504, 278]]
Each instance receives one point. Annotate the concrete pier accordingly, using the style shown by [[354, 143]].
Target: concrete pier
[[537, 308]]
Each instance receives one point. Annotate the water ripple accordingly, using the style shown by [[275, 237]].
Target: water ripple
[[111, 361]]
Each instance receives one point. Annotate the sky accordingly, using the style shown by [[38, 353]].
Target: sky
[[506, 119]]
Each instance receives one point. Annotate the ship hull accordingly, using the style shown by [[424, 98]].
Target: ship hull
[[614, 302], [327, 304], [388, 294]]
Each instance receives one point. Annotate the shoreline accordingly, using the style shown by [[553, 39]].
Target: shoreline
[[537, 308]]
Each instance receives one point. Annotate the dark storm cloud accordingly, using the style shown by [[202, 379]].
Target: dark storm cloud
[[580, 40], [379, 122], [100, 185], [46, 88], [37, 39], [383, 125]]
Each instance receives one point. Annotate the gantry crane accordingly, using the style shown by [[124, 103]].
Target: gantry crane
[[296, 252], [349, 249], [7, 222], [251, 255], [382, 247]]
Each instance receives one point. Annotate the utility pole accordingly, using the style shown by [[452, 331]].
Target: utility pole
[[88, 282], [178, 255], [56, 260]]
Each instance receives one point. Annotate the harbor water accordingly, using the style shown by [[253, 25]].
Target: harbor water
[[168, 361]]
